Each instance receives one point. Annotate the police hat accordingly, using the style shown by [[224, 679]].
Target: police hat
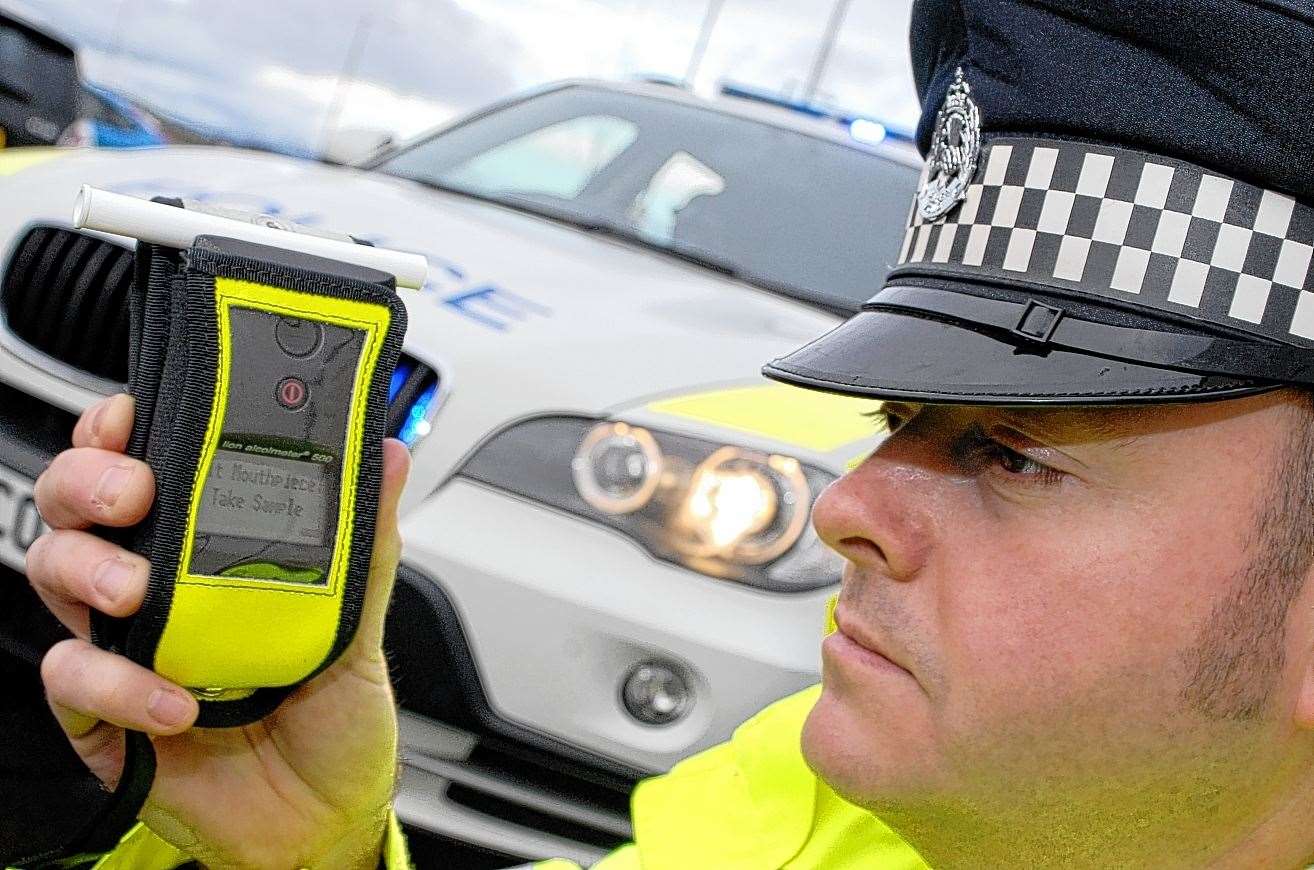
[[1118, 206]]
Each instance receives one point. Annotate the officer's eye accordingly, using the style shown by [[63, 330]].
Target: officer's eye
[[978, 452], [1016, 463], [884, 419], [887, 417]]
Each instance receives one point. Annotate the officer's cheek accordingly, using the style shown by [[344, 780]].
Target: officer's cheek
[[1083, 618]]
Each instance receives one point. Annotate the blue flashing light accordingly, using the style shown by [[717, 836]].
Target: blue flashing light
[[867, 131], [416, 425], [748, 92], [399, 376]]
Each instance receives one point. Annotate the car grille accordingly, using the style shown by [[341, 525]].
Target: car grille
[[509, 779], [471, 774], [65, 293], [464, 786]]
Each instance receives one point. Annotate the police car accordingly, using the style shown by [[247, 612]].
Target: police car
[[608, 562]]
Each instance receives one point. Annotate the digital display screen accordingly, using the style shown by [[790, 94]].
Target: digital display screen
[[269, 503], [266, 498]]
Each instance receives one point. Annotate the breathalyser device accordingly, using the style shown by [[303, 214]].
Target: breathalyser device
[[261, 355], [260, 366]]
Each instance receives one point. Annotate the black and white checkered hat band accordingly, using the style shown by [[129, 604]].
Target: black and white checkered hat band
[[1146, 231]]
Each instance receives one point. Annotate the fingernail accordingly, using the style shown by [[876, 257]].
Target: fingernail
[[113, 579], [97, 415], [168, 707], [111, 484]]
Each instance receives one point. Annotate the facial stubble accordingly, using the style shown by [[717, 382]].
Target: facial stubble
[[1237, 661]]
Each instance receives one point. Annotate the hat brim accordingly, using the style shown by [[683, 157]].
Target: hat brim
[[905, 355]]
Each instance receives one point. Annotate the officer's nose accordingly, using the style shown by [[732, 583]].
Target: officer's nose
[[880, 516]]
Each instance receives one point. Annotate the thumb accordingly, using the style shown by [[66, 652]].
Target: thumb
[[387, 550]]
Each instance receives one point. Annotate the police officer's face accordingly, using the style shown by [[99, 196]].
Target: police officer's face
[[1062, 605]]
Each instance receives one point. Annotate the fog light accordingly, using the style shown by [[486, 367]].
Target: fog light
[[655, 693]]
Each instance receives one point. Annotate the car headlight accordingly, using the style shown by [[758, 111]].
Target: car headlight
[[617, 468], [724, 510]]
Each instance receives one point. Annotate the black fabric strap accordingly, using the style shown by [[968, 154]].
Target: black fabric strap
[[114, 817]]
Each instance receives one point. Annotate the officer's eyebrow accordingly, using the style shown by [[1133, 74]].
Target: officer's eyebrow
[[1103, 423], [1116, 425]]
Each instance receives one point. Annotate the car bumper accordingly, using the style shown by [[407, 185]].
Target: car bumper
[[565, 609], [511, 630]]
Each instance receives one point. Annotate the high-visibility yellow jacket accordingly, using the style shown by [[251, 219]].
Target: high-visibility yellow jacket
[[141, 849], [752, 804], [748, 804]]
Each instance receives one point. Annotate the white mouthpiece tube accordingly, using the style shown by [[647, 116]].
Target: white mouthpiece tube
[[162, 224]]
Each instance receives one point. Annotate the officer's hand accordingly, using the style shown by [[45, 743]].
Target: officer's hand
[[308, 786]]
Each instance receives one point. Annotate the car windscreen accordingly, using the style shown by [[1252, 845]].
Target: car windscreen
[[769, 203]]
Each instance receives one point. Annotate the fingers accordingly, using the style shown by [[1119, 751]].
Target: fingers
[[74, 570], [387, 548], [86, 685], [88, 486], [106, 424]]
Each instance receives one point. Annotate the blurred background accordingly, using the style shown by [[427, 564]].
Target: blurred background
[[296, 75]]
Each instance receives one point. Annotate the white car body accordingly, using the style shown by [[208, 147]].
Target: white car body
[[523, 317]]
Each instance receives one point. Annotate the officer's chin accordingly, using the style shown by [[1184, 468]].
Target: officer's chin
[[873, 750]]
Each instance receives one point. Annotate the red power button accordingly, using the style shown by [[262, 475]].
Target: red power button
[[292, 393]]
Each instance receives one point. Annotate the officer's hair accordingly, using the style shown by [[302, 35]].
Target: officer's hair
[[1236, 664]]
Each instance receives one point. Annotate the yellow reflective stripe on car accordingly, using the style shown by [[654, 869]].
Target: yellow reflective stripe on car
[[857, 460], [14, 160], [805, 418]]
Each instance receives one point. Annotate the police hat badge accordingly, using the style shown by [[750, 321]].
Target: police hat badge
[[955, 148]]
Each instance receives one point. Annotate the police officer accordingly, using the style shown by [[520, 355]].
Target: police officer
[[1075, 626]]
